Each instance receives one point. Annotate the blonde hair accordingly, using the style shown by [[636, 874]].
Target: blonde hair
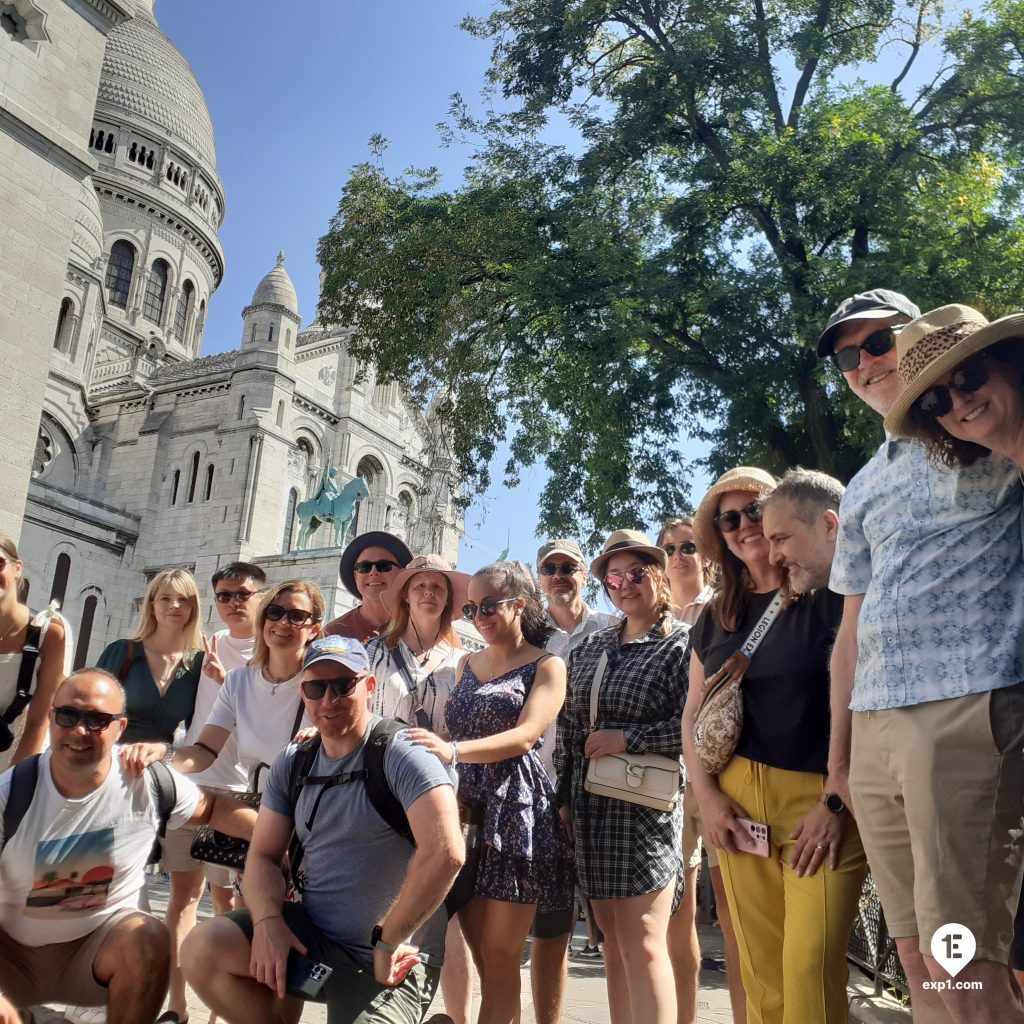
[[182, 582], [260, 652], [8, 547]]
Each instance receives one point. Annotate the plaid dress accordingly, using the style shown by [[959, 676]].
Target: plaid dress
[[624, 849]]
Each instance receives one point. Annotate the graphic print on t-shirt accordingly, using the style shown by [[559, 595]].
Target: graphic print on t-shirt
[[72, 874]]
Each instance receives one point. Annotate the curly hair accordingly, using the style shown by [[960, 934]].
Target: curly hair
[[514, 579]]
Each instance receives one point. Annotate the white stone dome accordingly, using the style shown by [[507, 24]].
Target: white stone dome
[[146, 77], [87, 237], [276, 289]]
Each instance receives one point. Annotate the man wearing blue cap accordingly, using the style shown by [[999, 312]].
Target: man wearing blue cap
[[371, 909]]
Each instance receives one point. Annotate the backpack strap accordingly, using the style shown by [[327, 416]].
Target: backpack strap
[[126, 665], [26, 675], [166, 797], [422, 719], [378, 789], [24, 778]]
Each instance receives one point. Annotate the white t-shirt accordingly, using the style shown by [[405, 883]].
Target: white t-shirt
[[261, 715], [392, 698], [225, 772], [72, 863]]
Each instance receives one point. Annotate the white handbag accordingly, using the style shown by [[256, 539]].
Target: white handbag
[[648, 779]]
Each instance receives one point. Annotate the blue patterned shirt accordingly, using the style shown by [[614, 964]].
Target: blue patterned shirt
[[937, 555]]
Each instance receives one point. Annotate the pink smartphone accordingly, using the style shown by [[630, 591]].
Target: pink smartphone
[[753, 837]]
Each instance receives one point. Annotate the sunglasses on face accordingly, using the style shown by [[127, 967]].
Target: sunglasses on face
[[729, 522], [342, 686], [95, 721], [617, 580], [487, 607], [382, 565], [967, 378], [566, 569], [876, 344], [296, 616], [686, 548], [227, 596]]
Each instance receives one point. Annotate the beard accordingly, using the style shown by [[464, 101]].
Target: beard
[[561, 596]]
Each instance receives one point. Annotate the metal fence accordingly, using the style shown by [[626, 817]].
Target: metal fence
[[872, 947]]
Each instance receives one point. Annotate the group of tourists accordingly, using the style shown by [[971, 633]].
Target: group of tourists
[[809, 682]]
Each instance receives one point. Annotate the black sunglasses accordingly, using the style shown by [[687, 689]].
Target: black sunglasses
[[686, 548], [876, 344], [966, 378], [381, 565], [729, 522], [95, 721], [342, 686], [616, 580], [487, 607], [565, 568], [227, 596], [296, 616]]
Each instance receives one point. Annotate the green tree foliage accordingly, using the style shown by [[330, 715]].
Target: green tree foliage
[[739, 168]]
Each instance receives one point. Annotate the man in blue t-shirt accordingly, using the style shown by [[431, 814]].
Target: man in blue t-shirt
[[371, 907]]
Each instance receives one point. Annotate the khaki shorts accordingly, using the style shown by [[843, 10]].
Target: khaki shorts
[[174, 856], [938, 790], [58, 973], [693, 834]]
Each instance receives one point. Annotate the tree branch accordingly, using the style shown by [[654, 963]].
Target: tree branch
[[915, 49], [771, 93], [807, 74]]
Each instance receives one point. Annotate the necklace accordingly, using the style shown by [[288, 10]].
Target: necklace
[[11, 629], [424, 656], [274, 681], [632, 634]]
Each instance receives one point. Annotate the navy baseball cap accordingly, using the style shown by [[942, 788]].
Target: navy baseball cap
[[344, 650], [877, 304]]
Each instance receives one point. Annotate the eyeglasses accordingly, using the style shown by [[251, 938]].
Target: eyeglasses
[[342, 686], [686, 548], [566, 569], [95, 721], [296, 616], [966, 378], [877, 344], [382, 565], [617, 580], [729, 522], [227, 596], [487, 607]]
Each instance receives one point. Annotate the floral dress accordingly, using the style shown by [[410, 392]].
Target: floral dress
[[525, 857]]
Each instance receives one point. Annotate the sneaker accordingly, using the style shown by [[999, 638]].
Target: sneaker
[[86, 1014], [589, 953]]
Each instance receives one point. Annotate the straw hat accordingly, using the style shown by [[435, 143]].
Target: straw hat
[[626, 540], [933, 344], [430, 563], [705, 533]]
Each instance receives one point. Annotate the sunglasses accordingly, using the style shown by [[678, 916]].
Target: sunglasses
[[227, 596], [566, 569], [382, 565], [95, 721], [487, 607], [342, 686], [966, 378], [616, 580], [729, 522], [876, 344], [686, 548], [296, 616]]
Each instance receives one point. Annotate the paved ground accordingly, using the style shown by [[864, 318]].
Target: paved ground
[[586, 1001]]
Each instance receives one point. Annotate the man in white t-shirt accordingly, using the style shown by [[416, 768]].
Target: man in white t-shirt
[[72, 873]]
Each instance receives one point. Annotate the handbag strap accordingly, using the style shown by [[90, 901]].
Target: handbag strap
[[595, 688], [422, 719], [758, 633]]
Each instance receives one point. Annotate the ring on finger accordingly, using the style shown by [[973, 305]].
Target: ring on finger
[[820, 846]]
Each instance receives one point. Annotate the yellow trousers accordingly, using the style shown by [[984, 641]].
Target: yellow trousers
[[792, 932]]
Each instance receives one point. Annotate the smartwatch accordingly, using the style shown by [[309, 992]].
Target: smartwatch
[[378, 943], [834, 802]]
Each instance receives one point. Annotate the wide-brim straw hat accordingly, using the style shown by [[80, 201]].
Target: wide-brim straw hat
[[373, 539], [626, 540], [705, 534], [933, 345], [430, 563]]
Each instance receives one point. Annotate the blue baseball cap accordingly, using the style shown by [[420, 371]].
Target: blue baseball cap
[[344, 650]]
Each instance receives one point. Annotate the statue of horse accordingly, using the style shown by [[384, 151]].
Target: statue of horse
[[330, 506]]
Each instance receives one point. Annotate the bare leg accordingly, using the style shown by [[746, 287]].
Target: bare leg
[[619, 1009], [549, 970], [993, 1002], [928, 1005], [496, 932], [684, 951], [134, 962], [182, 907], [733, 975], [457, 975], [215, 961], [221, 897]]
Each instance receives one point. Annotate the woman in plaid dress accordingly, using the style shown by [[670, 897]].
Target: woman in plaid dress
[[629, 857]]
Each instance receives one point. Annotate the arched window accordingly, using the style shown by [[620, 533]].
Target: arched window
[[62, 336], [270, 335], [289, 521], [60, 577], [208, 489], [185, 302], [200, 324], [156, 292], [120, 267], [192, 477], [174, 486], [109, 147], [372, 473], [241, 406], [252, 337], [280, 414], [85, 631], [288, 338]]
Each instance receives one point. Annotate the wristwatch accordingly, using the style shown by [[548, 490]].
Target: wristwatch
[[378, 943], [834, 802]]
